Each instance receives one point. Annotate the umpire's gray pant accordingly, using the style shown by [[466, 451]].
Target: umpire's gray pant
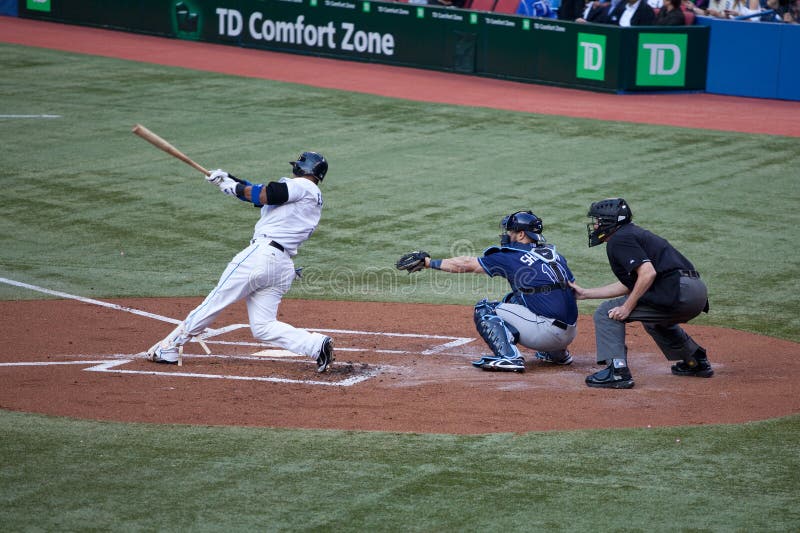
[[660, 323]]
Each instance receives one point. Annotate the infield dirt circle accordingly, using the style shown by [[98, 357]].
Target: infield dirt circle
[[399, 367]]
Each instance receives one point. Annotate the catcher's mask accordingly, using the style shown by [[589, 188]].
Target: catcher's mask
[[607, 217], [521, 221], [310, 164]]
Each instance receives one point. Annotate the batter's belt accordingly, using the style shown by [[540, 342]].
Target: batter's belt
[[274, 244]]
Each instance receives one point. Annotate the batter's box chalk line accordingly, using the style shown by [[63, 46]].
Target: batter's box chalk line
[[119, 360], [452, 342], [439, 344]]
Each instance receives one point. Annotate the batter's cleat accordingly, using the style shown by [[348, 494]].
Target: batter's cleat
[[611, 378], [698, 367], [325, 356], [164, 355], [506, 365], [547, 357]]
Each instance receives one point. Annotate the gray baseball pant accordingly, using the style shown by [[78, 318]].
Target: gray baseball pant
[[660, 323]]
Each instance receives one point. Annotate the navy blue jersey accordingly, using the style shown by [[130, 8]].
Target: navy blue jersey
[[524, 268]]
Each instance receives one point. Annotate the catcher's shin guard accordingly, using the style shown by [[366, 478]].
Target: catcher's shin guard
[[497, 334]]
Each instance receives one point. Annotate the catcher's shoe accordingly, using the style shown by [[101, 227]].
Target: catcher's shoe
[[483, 360], [507, 365], [167, 355], [697, 367], [325, 356], [611, 378], [547, 357]]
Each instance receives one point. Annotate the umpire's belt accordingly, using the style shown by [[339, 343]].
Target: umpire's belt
[[690, 273], [543, 289]]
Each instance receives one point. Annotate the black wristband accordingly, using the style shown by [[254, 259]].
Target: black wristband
[[240, 189]]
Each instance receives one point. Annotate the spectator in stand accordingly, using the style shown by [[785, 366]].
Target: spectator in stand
[[599, 12], [698, 7], [632, 13], [782, 11], [571, 10], [536, 8], [670, 14], [728, 9], [743, 8]]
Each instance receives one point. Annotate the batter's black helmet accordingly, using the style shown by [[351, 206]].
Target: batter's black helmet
[[608, 215], [310, 164], [522, 221]]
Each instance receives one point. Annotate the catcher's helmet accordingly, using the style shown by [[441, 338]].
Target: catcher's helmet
[[521, 221], [608, 215], [310, 164]]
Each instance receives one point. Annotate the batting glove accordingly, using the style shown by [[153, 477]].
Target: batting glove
[[217, 176], [228, 186]]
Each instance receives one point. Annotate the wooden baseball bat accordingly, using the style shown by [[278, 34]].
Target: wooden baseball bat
[[161, 144]]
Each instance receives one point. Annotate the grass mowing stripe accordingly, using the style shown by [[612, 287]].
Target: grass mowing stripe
[[152, 477]]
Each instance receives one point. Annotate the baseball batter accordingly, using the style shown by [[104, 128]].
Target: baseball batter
[[263, 272], [540, 312]]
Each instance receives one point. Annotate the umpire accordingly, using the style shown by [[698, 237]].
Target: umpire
[[657, 286]]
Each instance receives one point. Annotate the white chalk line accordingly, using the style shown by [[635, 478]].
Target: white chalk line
[[123, 359], [30, 116], [110, 366], [89, 300], [52, 363], [210, 333], [436, 349]]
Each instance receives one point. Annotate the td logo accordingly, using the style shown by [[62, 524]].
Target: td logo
[[591, 63], [38, 5], [661, 59]]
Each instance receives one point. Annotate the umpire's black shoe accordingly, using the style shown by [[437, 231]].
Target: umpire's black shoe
[[697, 366], [325, 356], [611, 378]]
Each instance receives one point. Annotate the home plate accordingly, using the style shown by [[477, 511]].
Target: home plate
[[277, 353]]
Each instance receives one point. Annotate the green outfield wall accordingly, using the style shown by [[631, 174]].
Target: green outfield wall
[[586, 56]]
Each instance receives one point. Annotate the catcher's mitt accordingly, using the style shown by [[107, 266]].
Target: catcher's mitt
[[412, 261]]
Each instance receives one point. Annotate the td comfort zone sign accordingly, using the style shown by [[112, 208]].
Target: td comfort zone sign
[[661, 59]]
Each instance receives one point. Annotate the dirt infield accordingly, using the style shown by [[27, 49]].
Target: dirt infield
[[399, 368]]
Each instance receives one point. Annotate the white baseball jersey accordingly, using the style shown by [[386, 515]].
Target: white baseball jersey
[[293, 222], [261, 274]]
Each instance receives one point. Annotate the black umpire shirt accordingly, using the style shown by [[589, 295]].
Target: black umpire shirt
[[630, 246]]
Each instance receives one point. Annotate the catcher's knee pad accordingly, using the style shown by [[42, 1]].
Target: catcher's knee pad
[[484, 307], [496, 333]]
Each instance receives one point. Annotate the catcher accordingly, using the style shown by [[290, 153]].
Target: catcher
[[540, 312]]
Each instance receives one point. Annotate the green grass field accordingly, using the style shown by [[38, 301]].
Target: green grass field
[[90, 209]]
